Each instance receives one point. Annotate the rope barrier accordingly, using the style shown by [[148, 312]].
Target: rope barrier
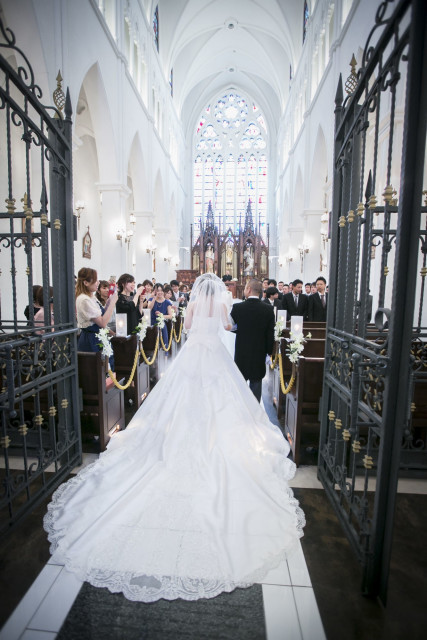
[[276, 357], [132, 373], [286, 389], [178, 338], [156, 348], [170, 340]]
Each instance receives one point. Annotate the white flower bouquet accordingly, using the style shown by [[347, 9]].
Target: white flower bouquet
[[296, 346], [160, 321], [141, 329], [105, 342]]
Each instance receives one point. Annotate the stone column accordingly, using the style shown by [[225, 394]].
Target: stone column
[[163, 268], [142, 242], [113, 219]]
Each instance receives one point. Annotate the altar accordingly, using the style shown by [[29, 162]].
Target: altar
[[241, 253]]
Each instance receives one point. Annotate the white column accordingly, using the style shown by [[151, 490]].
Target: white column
[[142, 242], [113, 219], [162, 273]]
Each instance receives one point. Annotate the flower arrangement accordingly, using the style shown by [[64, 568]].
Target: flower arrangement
[[141, 329], [173, 315], [278, 328], [105, 342], [160, 321], [296, 346], [183, 311]]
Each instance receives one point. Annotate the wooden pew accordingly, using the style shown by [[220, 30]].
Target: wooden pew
[[124, 356], [102, 401], [302, 402], [313, 348], [159, 365]]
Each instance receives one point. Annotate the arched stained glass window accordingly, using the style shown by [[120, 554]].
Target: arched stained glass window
[[230, 163]]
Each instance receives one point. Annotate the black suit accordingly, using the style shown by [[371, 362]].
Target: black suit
[[288, 303], [226, 278], [277, 303], [316, 311], [254, 340]]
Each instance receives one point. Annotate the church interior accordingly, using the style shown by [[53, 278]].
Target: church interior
[[281, 140]]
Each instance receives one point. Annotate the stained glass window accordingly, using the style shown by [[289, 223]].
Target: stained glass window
[[230, 163], [156, 26], [305, 21]]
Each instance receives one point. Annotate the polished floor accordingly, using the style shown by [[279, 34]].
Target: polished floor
[[314, 595]]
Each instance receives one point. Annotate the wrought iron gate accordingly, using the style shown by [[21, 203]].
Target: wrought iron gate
[[40, 422], [374, 409]]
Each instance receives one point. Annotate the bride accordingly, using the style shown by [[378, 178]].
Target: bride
[[192, 499]]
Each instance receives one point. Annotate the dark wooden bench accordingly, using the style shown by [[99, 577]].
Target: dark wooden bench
[[302, 403], [124, 357], [313, 348], [101, 400], [158, 367]]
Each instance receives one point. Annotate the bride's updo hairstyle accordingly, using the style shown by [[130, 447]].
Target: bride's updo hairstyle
[[208, 297]]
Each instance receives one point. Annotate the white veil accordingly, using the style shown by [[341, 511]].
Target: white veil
[[207, 300]]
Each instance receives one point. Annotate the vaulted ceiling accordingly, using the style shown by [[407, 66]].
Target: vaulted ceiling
[[215, 45]]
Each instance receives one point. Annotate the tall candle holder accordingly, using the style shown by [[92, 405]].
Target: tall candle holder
[[121, 325], [296, 325]]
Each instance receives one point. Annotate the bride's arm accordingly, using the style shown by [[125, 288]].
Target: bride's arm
[[189, 316], [226, 320]]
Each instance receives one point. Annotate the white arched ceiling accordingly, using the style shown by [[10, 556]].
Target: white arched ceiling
[[241, 44]]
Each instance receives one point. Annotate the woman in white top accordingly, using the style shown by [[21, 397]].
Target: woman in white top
[[90, 317]]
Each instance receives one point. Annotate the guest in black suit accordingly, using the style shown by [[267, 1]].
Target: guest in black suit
[[273, 283], [318, 302], [272, 298], [254, 336], [296, 303], [227, 277]]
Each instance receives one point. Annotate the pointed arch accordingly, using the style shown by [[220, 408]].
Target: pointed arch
[[95, 99], [137, 172]]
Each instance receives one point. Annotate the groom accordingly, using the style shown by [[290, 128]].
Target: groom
[[254, 335]]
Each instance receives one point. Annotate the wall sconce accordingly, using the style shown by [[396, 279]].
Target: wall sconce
[[132, 220], [167, 259], [289, 258], [324, 222], [121, 234], [303, 249], [80, 205]]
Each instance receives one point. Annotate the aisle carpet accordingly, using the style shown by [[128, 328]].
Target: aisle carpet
[[98, 614]]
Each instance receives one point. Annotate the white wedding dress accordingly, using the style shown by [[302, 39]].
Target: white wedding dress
[[192, 498]]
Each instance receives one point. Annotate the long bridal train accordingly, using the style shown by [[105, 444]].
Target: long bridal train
[[192, 498]]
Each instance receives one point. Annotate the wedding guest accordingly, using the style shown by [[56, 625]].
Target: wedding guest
[[102, 294], [168, 292], [272, 298], [39, 317], [127, 300], [36, 307], [308, 288], [159, 305], [90, 317], [313, 288]]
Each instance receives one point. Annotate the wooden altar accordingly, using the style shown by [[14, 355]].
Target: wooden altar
[[242, 253]]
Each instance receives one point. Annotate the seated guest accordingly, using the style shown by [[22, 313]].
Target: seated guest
[[160, 305], [36, 287], [90, 317], [128, 300], [39, 317], [272, 297]]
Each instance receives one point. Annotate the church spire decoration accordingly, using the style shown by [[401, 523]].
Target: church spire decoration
[[249, 223], [210, 221]]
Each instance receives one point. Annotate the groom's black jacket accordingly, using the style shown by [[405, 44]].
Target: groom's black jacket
[[254, 336]]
